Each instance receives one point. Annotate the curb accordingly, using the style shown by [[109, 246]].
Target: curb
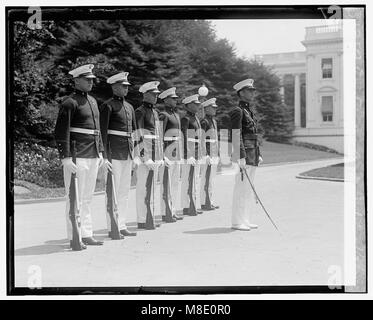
[[320, 178]]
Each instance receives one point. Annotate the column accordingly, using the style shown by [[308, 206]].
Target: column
[[296, 101]]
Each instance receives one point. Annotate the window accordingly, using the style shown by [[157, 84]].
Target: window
[[327, 108], [327, 68]]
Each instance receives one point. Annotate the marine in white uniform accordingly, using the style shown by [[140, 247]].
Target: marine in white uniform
[[151, 153], [193, 154], [246, 153], [211, 142], [78, 121], [118, 124], [169, 174]]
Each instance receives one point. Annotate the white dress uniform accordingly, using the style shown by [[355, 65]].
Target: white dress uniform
[[192, 134], [245, 148], [172, 146], [118, 124], [211, 142], [150, 148], [78, 121]]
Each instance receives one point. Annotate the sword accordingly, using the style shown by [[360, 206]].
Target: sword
[[258, 199]]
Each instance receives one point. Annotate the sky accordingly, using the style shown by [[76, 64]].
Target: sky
[[252, 37]]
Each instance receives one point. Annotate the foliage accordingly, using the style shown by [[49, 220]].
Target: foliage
[[37, 164]]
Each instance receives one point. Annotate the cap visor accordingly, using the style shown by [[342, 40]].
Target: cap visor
[[124, 82], [89, 76], [174, 96]]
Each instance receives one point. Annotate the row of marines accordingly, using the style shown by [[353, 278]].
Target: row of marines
[[172, 145]]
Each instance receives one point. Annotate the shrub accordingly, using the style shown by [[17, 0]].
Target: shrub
[[37, 164]]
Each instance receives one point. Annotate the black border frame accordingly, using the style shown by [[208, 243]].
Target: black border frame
[[154, 12]]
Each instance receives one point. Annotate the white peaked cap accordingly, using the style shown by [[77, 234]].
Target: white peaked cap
[[83, 71], [193, 98], [150, 86], [209, 102], [249, 83], [118, 78], [168, 93]]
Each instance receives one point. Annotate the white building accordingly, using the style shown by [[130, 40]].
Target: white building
[[316, 75]]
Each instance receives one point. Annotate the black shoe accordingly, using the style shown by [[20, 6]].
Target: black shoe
[[199, 212], [144, 226], [177, 217], [215, 207], [128, 233], [207, 208], [188, 213], [92, 242], [112, 238], [82, 246], [168, 219]]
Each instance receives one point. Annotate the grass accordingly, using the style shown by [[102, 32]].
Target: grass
[[272, 153], [335, 171], [277, 153]]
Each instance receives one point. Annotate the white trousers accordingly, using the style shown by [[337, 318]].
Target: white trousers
[[243, 198], [185, 201], [174, 182], [142, 175], [87, 169], [214, 168], [122, 178]]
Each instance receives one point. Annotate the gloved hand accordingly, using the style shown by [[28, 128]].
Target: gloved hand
[[101, 161], [191, 161], [107, 165], [260, 160], [150, 164], [167, 162], [137, 161], [159, 163], [69, 164], [241, 163]]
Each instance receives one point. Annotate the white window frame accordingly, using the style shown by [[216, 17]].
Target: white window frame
[[321, 70], [327, 94]]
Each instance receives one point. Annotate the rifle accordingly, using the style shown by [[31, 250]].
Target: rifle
[[74, 212], [166, 191], [192, 206], [207, 185], [149, 223], [258, 199], [112, 203]]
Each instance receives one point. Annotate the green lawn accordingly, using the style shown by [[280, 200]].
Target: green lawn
[[272, 153], [334, 172], [277, 153]]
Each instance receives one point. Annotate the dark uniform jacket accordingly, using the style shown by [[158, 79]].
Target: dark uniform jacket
[[148, 124], [211, 139], [78, 110], [117, 114], [171, 128], [191, 129], [243, 118]]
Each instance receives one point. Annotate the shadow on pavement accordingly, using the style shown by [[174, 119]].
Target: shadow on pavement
[[41, 249], [217, 230]]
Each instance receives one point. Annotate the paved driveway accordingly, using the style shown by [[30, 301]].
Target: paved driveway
[[201, 250]]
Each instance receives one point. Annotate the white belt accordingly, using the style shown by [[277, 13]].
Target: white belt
[[210, 140], [150, 136], [193, 140], [119, 133], [94, 132], [171, 138]]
